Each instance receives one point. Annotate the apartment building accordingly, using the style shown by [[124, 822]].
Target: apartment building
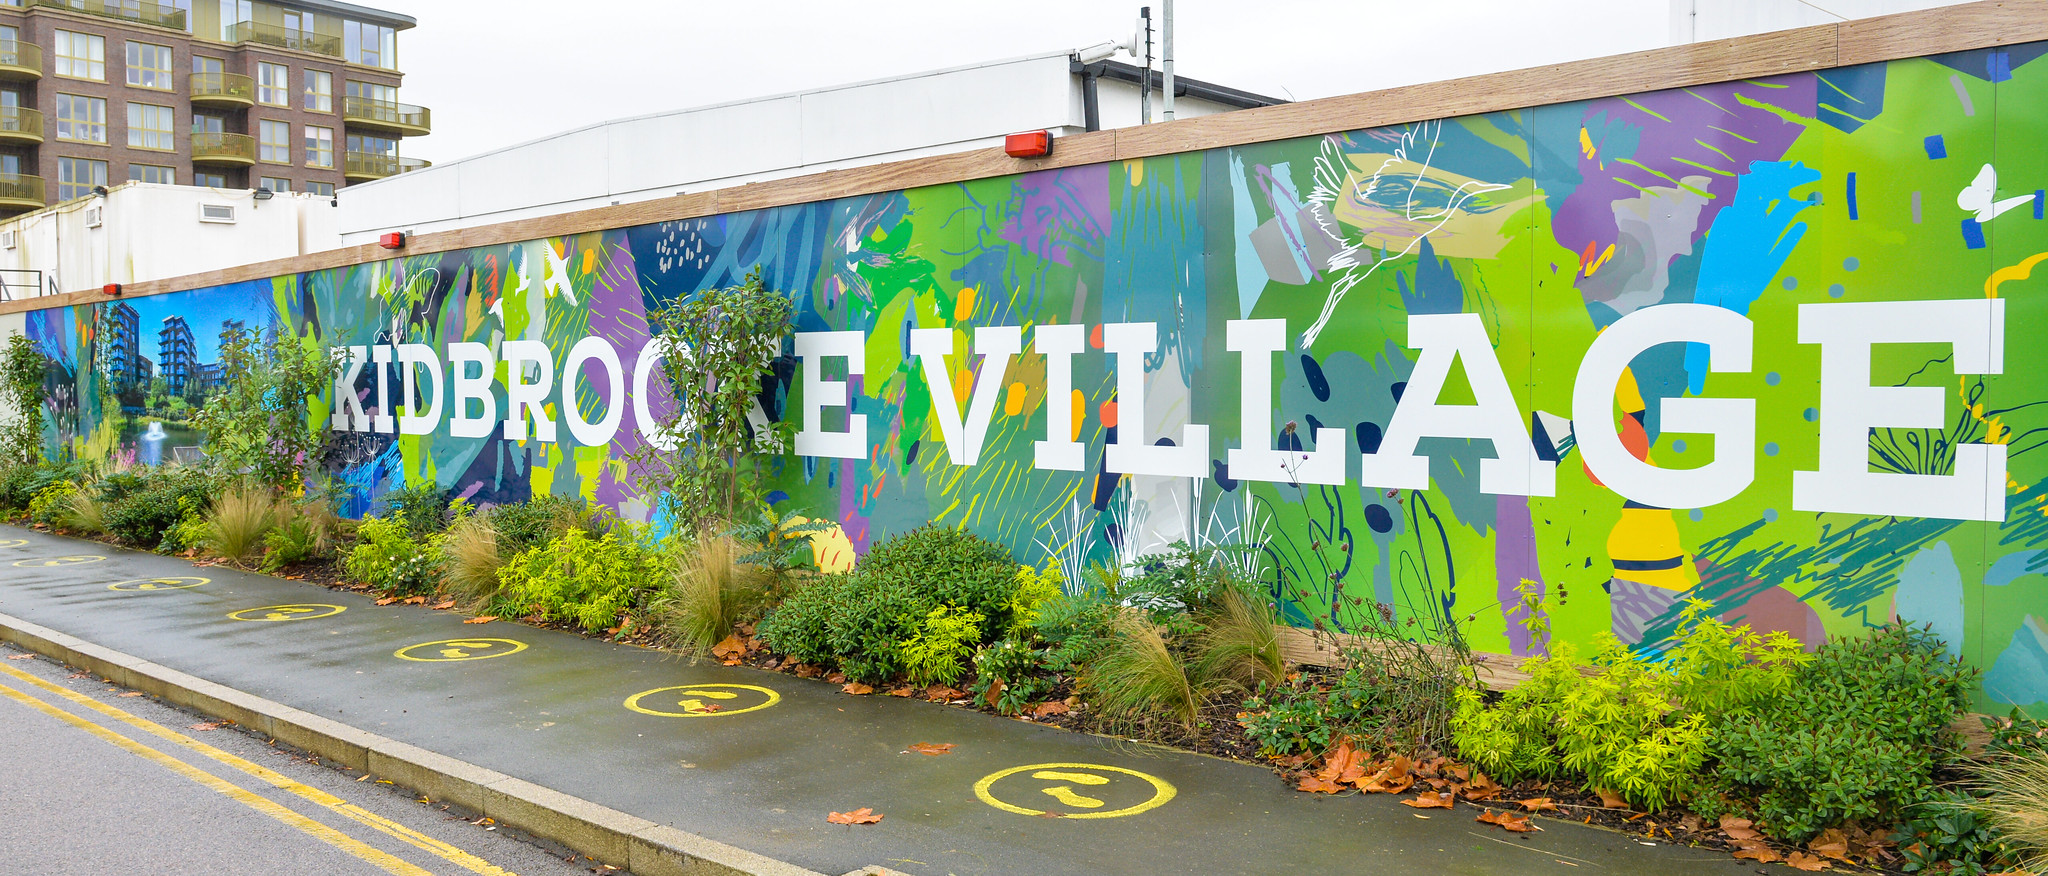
[[299, 96]]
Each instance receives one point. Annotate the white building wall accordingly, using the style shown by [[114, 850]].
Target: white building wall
[[153, 232], [724, 145]]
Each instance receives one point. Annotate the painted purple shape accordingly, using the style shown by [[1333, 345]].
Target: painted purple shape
[[1514, 558], [1679, 126], [1053, 204], [618, 313]]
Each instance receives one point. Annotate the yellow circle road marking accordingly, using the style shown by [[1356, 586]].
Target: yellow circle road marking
[[1063, 777], [13, 543], [451, 650], [145, 585], [292, 612], [691, 699], [52, 562]]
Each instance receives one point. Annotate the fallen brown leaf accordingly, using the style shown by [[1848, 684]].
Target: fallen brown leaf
[[20, 656], [1759, 854], [1048, 708], [1690, 823], [1393, 777], [387, 600], [1730, 822], [902, 691], [729, 649], [481, 619], [939, 693], [444, 605], [863, 815], [1832, 843], [1539, 804], [1318, 785], [1610, 799], [856, 688], [994, 694], [1480, 788], [1508, 821], [415, 600], [1431, 800], [932, 748], [806, 670], [132, 693], [209, 725], [1344, 765], [836, 678], [1804, 861]]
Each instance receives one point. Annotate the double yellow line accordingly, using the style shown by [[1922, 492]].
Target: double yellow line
[[383, 860]]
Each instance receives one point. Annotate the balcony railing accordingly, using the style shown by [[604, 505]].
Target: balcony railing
[[227, 148], [20, 123], [284, 38], [416, 120], [127, 10], [223, 88], [408, 165], [20, 189], [19, 57], [369, 164]]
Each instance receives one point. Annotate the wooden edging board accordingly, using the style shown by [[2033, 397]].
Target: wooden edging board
[[1905, 35]]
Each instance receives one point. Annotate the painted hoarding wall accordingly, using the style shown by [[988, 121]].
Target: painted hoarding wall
[[1770, 344]]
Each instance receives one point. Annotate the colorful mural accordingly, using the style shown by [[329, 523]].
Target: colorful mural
[[1761, 343]]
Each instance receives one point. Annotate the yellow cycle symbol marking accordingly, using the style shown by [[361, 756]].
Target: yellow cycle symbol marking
[[451, 650], [1098, 785], [52, 562], [154, 584], [295, 611], [704, 700], [13, 543]]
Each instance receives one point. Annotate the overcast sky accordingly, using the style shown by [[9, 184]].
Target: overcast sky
[[498, 72]]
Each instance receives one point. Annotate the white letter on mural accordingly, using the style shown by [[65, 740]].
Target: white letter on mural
[[380, 356], [411, 356], [466, 389], [813, 348], [1731, 421], [1254, 459], [348, 408], [1850, 407], [1443, 339], [1058, 344], [600, 433], [997, 344], [524, 400], [643, 418], [1131, 454]]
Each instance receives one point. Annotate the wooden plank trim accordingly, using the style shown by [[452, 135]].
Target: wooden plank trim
[[1904, 35]]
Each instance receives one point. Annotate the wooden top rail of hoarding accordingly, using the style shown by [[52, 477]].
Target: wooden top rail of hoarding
[[1906, 35]]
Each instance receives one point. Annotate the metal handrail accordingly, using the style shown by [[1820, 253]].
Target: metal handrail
[[15, 53], [209, 144], [21, 120], [284, 38], [127, 10], [233, 85], [390, 112]]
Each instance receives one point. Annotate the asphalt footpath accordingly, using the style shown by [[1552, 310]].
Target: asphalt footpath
[[641, 759]]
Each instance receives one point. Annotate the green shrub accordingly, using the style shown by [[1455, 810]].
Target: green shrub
[[390, 559], [189, 533], [1945, 834], [141, 506], [296, 540], [879, 613], [1021, 669], [956, 567], [945, 641], [50, 501], [1857, 737], [1642, 729], [539, 520], [23, 370], [1074, 627], [1288, 722], [422, 509], [800, 628], [1035, 587], [579, 579]]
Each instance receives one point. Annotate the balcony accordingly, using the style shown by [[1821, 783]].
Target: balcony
[[20, 60], [140, 11], [377, 165], [20, 125], [19, 191], [284, 38], [214, 148], [230, 90], [402, 118]]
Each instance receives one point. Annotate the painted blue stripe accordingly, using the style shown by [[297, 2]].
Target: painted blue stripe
[[1852, 196]]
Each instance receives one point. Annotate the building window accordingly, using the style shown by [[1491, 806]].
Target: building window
[[81, 55], [273, 84], [319, 146], [277, 184], [216, 180], [323, 189], [77, 176], [150, 127], [81, 118], [206, 123], [369, 44], [320, 91], [203, 64], [383, 94], [275, 141], [152, 173], [149, 66]]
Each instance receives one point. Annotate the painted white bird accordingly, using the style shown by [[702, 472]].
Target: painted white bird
[[1977, 196]]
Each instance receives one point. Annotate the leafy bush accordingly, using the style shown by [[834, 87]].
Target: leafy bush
[[1857, 736], [50, 501], [236, 526], [711, 591], [421, 509], [539, 520], [779, 546], [141, 506], [296, 540], [1021, 670], [22, 371], [1288, 723], [956, 567], [1179, 579], [1639, 728], [389, 558], [1035, 587], [1945, 834], [578, 579], [257, 424], [938, 654], [801, 627]]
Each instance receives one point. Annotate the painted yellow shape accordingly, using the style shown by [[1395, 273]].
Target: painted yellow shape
[[1093, 774], [1013, 402], [147, 584], [1136, 169], [1080, 414], [1462, 233], [693, 696], [1650, 535], [54, 562], [1605, 254], [451, 650], [963, 309], [1586, 142], [294, 611], [1628, 394], [831, 550], [2017, 272]]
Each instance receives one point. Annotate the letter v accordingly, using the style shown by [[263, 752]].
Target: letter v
[[997, 344]]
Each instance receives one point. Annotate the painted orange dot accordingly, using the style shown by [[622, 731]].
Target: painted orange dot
[[963, 383], [1014, 403], [1080, 409], [964, 308], [1107, 413], [1095, 336]]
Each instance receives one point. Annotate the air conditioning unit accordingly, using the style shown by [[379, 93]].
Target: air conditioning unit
[[7, 239], [219, 213], [95, 216]]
